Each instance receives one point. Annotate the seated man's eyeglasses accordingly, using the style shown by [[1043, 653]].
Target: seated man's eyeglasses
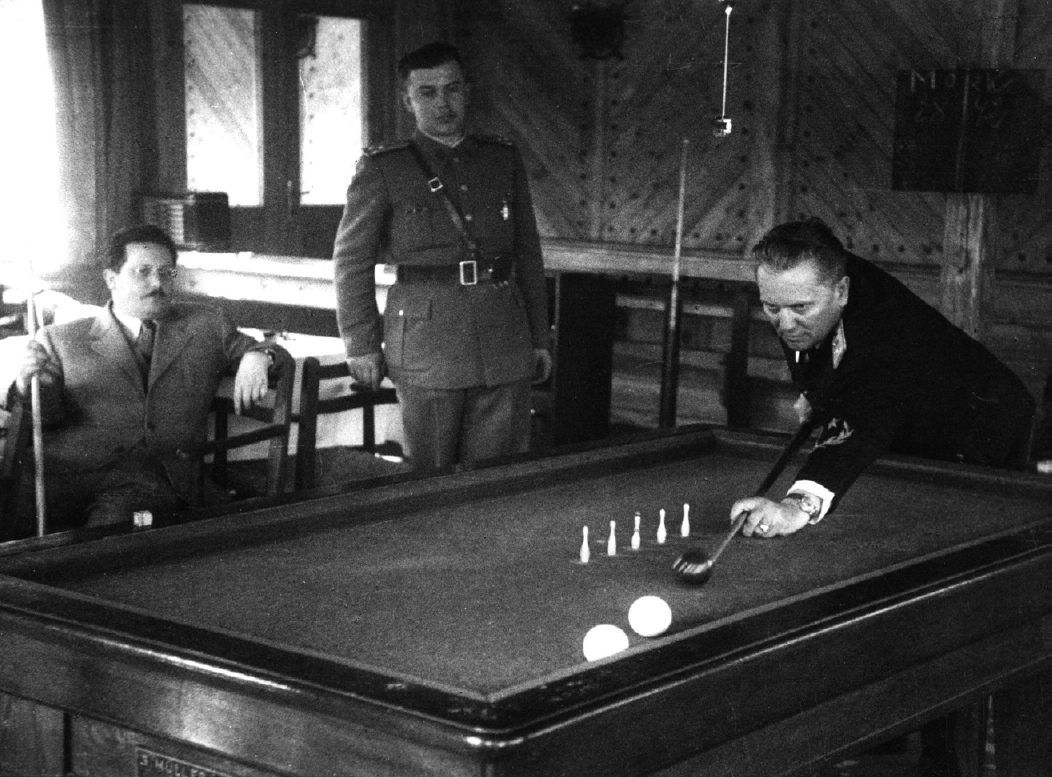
[[164, 273]]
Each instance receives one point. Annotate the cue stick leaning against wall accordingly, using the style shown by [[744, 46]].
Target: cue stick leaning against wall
[[670, 360]]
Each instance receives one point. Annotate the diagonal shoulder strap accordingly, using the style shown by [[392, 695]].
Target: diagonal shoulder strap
[[434, 183]]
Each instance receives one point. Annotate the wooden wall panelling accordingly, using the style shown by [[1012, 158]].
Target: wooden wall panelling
[[811, 94], [530, 86], [669, 88], [602, 138], [1025, 223], [761, 80], [970, 238], [775, 96], [417, 22], [660, 93], [850, 52]]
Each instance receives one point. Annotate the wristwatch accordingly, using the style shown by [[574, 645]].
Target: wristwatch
[[809, 503]]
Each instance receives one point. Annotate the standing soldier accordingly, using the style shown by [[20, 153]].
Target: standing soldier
[[465, 328]]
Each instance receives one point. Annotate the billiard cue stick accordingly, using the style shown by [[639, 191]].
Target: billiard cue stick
[[38, 426], [791, 448], [670, 362]]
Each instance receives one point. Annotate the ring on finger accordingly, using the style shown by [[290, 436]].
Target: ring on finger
[[763, 527]]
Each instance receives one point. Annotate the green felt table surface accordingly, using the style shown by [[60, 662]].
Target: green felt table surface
[[488, 594]]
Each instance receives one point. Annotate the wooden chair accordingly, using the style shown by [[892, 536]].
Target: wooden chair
[[14, 456], [275, 424], [311, 406]]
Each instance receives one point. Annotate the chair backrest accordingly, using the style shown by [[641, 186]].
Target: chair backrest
[[14, 455], [276, 423], [311, 406]]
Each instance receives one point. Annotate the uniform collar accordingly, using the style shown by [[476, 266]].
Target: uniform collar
[[418, 135], [836, 344], [441, 151]]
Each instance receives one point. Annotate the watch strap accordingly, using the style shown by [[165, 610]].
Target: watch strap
[[809, 503]]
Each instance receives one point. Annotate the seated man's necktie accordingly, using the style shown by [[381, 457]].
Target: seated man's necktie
[[144, 342]]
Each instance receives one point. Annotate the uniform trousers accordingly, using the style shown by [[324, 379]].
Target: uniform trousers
[[453, 426]]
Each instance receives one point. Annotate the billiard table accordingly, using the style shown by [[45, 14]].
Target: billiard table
[[433, 625]]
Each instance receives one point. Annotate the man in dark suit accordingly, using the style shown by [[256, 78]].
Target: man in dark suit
[[879, 370], [465, 328], [124, 392]]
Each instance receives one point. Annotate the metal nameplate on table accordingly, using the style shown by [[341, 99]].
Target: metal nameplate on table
[[151, 764]]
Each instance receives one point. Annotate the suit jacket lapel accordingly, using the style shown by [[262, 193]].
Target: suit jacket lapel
[[110, 342], [172, 337]]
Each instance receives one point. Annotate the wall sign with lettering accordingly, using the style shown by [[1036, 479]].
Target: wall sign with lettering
[[968, 131]]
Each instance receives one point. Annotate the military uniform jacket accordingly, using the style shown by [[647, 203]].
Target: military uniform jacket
[[101, 409], [442, 335], [906, 381]]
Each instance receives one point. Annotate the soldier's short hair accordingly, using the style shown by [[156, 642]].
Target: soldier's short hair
[[114, 256], [791, 244], [429, 56]]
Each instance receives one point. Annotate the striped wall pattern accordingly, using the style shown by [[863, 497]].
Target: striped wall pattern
[[1026, 224], [811, 96], [603, 138], [847, 55]]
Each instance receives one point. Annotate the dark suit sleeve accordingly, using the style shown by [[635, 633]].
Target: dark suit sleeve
[[529, 260], [356, 253], [861, 417], [236, 344]]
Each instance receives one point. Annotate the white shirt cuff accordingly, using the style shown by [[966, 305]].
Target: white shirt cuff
[[818, 491]]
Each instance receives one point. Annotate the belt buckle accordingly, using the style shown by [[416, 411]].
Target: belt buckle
[[469, 268]]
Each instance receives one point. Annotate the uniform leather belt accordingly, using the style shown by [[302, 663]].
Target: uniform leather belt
[[470, 272]]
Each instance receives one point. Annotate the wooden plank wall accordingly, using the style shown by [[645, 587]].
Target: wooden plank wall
[[811, 95], [603, 136], [1026, 223]]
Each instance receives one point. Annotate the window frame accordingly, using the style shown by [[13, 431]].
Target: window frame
[[281, 226]]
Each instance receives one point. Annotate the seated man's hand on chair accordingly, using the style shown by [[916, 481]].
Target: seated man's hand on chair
[[36, 361], [251, 383]]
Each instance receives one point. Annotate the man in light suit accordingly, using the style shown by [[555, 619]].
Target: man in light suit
[[126, 392], [465, 328]]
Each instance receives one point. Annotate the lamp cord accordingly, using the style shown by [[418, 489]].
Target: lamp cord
[[726, 54]]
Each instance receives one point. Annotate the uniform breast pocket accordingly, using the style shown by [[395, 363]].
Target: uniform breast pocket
[[417, 226], [494, 224]]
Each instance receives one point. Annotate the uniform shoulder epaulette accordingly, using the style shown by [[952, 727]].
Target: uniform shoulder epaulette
[[498, 139], [384, 148]]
